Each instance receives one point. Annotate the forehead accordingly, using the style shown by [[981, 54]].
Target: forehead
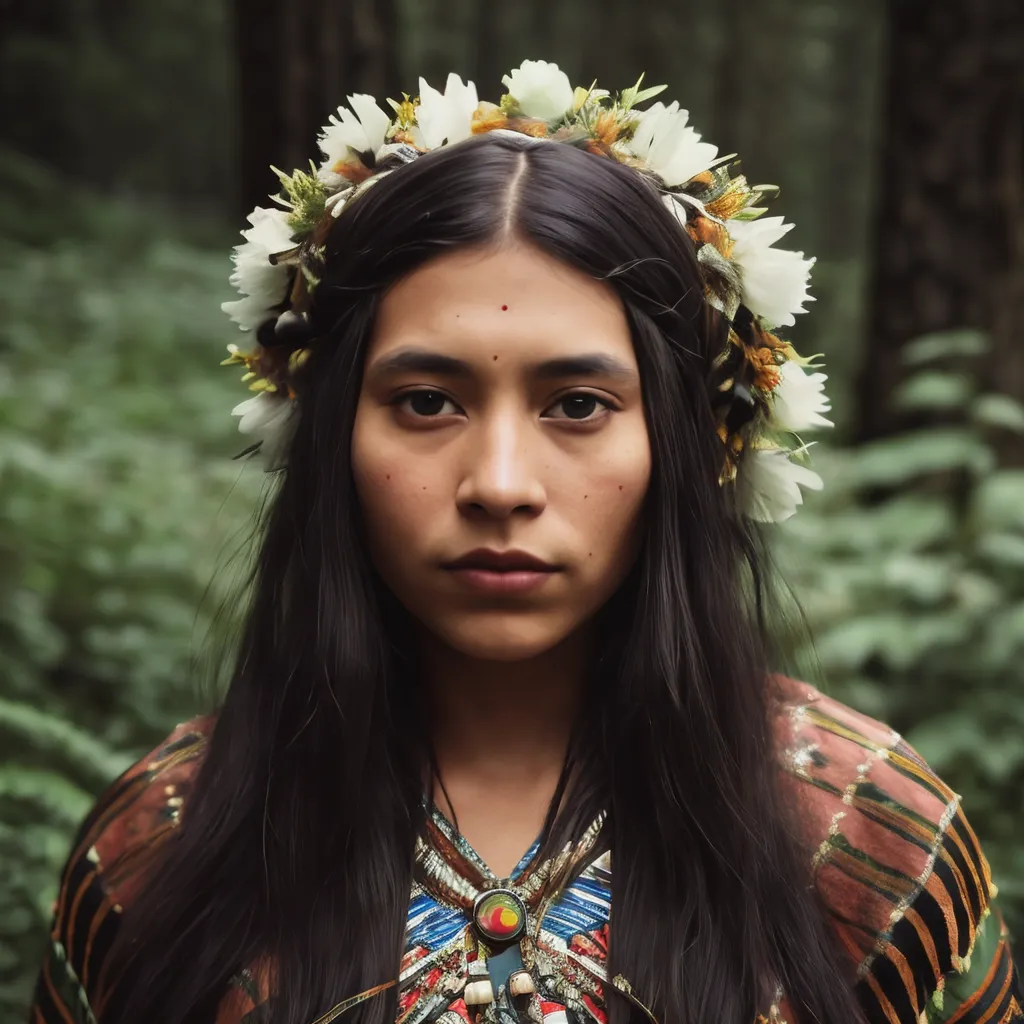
[[513, 301]]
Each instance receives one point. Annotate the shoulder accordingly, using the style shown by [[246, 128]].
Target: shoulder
[[125, 827], [894, 858]]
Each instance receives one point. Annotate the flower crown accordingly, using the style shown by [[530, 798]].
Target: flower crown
[[761, 394]]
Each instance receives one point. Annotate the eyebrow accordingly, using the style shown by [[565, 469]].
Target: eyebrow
[[592, 364]]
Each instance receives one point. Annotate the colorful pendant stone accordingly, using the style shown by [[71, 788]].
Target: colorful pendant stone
[[499, 916]]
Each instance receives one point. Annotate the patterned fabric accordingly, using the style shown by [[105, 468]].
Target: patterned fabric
[[901, 873]]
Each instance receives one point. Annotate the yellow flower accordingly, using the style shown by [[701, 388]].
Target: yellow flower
[[405, 112]]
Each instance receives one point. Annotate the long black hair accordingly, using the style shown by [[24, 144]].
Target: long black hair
[[296, 843]]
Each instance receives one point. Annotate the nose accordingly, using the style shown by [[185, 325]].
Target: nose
[[500, 477]]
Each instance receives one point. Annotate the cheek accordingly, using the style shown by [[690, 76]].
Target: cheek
[[395, 490], [605, 496]]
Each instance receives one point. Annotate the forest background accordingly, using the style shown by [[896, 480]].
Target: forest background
[[137, 136]]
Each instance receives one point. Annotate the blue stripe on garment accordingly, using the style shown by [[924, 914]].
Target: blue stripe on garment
[[430, 924], [584, 906]]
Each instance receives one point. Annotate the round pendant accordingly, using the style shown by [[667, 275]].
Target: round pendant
[[499, 915]]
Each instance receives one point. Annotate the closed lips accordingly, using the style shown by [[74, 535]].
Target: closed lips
[[501, 561]]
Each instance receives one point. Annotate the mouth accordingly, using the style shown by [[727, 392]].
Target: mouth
[[489, 560], [501, 572]]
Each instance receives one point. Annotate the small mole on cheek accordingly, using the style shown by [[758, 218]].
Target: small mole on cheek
[[620, 487], [388, 476], [504, 308], [495, 358]]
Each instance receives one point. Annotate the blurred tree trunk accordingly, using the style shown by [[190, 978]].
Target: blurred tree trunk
[[948, 234], [296, 63]]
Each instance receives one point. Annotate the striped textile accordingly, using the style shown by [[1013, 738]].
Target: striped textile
[[900, 869], [902, 876]]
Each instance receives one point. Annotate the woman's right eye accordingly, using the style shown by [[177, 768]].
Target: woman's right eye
[[425, 403]]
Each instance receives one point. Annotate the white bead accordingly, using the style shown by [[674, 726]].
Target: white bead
[[479, 993], [521, 983]]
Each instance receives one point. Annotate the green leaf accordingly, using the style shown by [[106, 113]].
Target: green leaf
[[902, 459], [999, 501], [27, 732], [60, 800], [1001, 411], [934, 389], [1003, 549], [945, 344]]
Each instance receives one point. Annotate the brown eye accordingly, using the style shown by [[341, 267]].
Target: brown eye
[[424, 402], [581, 406]]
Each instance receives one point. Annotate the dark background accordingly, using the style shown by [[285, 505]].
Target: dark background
[[136, 136]]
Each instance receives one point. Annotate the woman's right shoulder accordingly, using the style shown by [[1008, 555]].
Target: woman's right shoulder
[[128, 823]]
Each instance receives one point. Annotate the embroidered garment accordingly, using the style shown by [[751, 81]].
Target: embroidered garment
[[906, 885]]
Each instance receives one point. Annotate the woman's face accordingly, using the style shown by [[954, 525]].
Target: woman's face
[[501, 409]]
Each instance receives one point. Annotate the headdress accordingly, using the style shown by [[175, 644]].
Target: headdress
[[762, 394]]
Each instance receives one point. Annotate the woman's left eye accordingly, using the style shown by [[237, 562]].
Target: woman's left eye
[[581, 406]]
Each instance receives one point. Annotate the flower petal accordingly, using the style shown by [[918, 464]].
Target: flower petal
[[261, 283], [799, 399], [775, 281], [768, 484], [446, 116], [374, 121], [668, 147], [541, 89], [267, 418]]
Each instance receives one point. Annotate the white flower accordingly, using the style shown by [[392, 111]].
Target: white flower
[[445, 116], [668, 147], [775, 281], [351, 133], [799, 399], [261, 284], [768, 484], [266, 417], [541, 89]]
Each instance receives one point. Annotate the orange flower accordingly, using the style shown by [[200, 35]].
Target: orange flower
[[352, 170], [765, 367], [529, 126], [703, 229], [777, 344], [607, 127], [487, 117], [402, 135]]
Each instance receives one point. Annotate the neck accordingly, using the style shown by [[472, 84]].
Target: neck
[[504, 721]]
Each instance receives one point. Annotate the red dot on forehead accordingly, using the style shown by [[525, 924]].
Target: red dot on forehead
[[504, 308]]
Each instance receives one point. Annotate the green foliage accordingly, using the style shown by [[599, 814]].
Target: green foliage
[[118, 500], [916, 598]]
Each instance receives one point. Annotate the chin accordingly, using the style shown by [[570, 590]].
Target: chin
[[501, 637]]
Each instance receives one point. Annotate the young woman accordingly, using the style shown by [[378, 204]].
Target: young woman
[[502, 741]]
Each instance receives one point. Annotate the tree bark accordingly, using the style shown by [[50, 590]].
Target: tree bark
[[948, 229], [296, 63]]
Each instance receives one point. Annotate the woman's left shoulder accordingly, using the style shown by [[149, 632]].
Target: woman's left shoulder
[[897, 864]]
